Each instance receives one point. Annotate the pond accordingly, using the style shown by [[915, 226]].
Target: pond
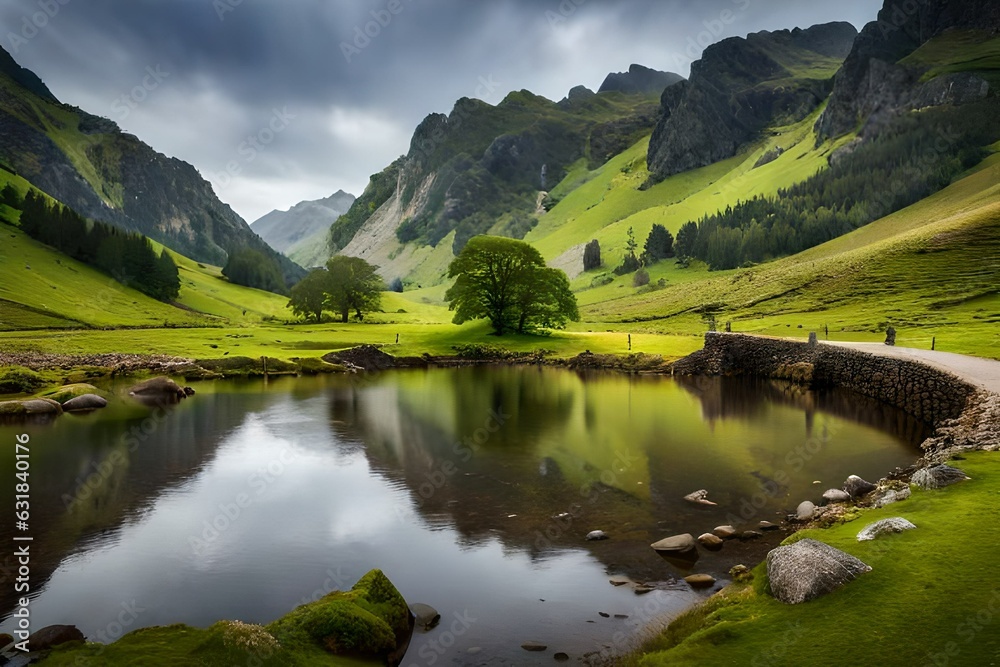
[[472, 489]]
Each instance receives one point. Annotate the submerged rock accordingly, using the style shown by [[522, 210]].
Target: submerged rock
[[534, 646], [937, 477], [884, 527], [426, 616], [85, 402], [158, 388], [725, 532], [699, 497], [808, 569], [710, 541], [700, 580]]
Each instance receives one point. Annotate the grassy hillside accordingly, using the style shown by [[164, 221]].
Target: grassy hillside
[[609, 200], [930, 270]]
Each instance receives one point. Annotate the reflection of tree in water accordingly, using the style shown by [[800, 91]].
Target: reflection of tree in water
[[88, 478]]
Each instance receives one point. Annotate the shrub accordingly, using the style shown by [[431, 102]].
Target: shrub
[[19, 380], [641, 278]]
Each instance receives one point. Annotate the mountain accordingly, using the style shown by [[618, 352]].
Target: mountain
[[639, 80], [485, 169], [915, 55], [304, 226], [740, 87], [90, 165]]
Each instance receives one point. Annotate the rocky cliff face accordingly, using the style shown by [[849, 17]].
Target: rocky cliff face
[[485, 169], [874, 84], [639, 80], [89, 164], [741, 86]]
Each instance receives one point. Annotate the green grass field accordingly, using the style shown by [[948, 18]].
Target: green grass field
[[930, 599]]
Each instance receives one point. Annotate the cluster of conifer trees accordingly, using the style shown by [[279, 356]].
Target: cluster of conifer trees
[[128, 257], [913, 158]]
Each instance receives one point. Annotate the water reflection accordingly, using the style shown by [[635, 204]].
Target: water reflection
[[473, 489]]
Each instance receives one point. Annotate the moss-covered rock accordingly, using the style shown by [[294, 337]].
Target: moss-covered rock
[[362, 626], [20, 380], [70, 391]]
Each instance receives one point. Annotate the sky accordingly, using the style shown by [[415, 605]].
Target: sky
[[281, 101]]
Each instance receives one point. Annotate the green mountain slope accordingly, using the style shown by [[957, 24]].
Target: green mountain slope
[[90, 165]]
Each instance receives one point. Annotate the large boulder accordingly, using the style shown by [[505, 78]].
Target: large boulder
[[158, 388], [426, 616], [858, 487], [54, 635], [30, 407], [938, 476], [70, 391], [85, 402], [808, 569], [884, 527]]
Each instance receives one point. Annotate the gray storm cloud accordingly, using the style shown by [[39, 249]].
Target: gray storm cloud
[[202, 80]]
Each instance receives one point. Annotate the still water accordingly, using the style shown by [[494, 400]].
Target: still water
[[472, 489]]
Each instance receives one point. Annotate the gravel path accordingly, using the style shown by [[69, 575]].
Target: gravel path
[[983, 373]]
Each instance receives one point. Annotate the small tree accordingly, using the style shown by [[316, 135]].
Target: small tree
[[641, 278], [354, 285], [659, 245], [10, 196], [630, 262], [308, 297], [396, 286], [592, 256], [687, 239]]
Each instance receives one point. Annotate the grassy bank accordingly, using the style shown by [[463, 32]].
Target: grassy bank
[[932, 597]]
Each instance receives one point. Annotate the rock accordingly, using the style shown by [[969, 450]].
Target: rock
[[741, 573], [857, 487], [54, 635], [156, 388], [748, 535], [189, 391], [642, 590], [700, 580], [41, 406], [884, 527], [70, 391], [889, 496], [534, 646], [621, 616], [596, 535], [836, 496], [767, 525], [561, 657], [603, 614], [710, 541], [938, 476], [426, 616], [699, 498], [85, 402], [805, 510], [725, 532], [808, 569], [619, 581], [677, 545]]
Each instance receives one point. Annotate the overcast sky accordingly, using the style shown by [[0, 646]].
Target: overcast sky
[[327, 104]]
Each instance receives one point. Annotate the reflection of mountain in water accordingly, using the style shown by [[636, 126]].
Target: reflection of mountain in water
[[608, 452], [91, 474]]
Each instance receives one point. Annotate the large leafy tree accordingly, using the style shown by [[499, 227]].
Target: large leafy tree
[[308, 297], [353, 284], [506, 281]]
